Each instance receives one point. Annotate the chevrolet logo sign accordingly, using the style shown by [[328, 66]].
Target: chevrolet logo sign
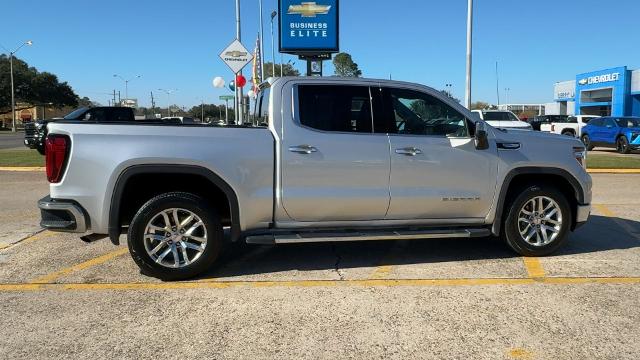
[[236, 53], [583, 81], [308, 9]]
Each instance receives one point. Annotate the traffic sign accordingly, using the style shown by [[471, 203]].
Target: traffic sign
[[227, 97], [236, 56]]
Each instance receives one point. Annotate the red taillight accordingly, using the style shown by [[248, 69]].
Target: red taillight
[[56, 151]]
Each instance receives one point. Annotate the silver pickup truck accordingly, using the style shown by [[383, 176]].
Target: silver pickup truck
[[324, 159]]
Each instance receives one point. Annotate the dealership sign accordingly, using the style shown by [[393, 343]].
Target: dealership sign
[[598, 79], [308, 27], [236, 56]]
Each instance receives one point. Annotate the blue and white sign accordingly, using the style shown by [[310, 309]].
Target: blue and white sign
[[308, 26]]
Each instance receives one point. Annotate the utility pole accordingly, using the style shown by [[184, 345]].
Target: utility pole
[[239, 97], [467, 90], [153, 103], [114, 98], [261, 44], [497, 84], [273, 48], [13, 96], [202, 111]]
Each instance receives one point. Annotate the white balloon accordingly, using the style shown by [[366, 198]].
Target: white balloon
[[251, 94], [218, 82]]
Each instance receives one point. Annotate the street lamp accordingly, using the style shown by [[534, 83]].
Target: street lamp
[[506, 96], [168, 92], [126, 84], [13, 99], [273, 49], [448, 89], [467, 87]]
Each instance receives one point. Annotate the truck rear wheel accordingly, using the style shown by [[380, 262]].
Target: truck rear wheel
[[175, 236], [538, 221]]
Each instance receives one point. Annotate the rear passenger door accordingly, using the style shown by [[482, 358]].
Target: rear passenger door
[[334, 167], [436, 171]]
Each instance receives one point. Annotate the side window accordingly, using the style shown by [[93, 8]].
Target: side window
[[262, 109], [416, 113], [610, 123], [572, 120], [335, 108], [120, 115], [98, 115]]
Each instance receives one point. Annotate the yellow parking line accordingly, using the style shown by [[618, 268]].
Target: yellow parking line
[[50, 278], [385, 268], [22, 168], [534, 267], [37, 236], [520, 353], [323, 283], [613, 171], [604, 210]]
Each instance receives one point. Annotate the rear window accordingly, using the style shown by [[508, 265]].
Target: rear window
[[261, 112], [499, 116]]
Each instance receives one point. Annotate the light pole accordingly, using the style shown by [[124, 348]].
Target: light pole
[[506, 96], [273, 47], [261, 44], [168, 92], [126, 84], [239, 98], [448, 89], [13, 96], [467, 89]]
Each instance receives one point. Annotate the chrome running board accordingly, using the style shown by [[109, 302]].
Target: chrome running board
[[321, 236]]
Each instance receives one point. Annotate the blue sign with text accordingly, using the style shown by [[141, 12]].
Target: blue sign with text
[[308, 26]]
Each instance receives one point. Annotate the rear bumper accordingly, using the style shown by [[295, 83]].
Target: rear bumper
[[62, 215], [582, 214]]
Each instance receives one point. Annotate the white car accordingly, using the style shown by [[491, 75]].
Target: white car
[[572, 127], [502, 119]]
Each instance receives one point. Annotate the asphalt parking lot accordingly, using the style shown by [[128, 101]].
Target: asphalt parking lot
[[61, 297]]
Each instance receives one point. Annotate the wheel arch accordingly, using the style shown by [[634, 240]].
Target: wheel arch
[[127, 175], [518, 177]]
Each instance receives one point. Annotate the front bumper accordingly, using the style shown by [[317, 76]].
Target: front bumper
[[582, 214], [62, 215]]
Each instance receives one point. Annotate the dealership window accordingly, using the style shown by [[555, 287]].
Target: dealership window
[[335, 108], [416, 113]]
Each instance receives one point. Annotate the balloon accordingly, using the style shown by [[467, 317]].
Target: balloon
[[218, 82], [251, 94], [241, 80], [232, 85]]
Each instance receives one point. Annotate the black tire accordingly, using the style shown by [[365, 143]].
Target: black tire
[[622, 145], [568, 133], [192, 203], [587, 142], [511, 234]]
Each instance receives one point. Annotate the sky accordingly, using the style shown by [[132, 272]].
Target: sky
[[175, 44]]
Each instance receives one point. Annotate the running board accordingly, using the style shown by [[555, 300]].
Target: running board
[[313, 237]]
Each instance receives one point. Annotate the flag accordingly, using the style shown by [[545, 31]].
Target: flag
[[257, 69]]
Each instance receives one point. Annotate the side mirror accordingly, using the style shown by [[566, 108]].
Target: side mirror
[[481, 138]]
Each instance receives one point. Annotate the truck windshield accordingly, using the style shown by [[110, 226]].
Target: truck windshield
[[75, 114]]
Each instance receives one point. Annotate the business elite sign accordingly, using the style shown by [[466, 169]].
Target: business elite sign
[[308, 27]]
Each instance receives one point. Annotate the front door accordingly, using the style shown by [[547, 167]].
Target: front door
[[334, 168], [436, 171]]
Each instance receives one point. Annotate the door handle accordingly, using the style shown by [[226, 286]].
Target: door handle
[[409, 151], [303, 149]]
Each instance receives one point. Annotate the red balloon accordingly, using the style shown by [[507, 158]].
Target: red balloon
[[241, 81]]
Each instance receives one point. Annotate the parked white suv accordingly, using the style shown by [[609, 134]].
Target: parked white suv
[[502, 119], [337, 159]]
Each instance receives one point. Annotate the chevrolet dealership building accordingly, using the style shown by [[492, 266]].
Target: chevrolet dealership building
[[609, 92]]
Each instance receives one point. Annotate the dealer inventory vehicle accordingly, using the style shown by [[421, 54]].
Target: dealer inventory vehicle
[[570, 126], [621, 133], [502, 119], [339, 159]]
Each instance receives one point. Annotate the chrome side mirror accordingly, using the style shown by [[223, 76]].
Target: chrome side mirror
[[481, 137]]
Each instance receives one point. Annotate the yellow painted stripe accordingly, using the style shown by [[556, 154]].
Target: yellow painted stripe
[[49, 278], [385, 268], [324, 283], [613, 171], [604, 210], [37, 236], [534, 267], [22, 168]]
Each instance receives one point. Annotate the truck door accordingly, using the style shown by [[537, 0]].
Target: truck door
[[333, 166], [436, 171]]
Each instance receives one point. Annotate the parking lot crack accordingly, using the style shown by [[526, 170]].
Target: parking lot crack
[[336, 266]]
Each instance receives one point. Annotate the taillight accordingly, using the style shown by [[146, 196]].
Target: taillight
[[56, 152]]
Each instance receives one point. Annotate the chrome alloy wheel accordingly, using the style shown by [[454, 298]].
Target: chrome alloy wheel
[[175, 237], [540, 221]]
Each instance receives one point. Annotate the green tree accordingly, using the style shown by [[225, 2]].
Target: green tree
[[287, 70], [344, 66], [32, 87], [481, 105]]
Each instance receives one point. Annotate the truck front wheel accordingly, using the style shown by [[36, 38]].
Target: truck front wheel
[[538, 221], [175, 236]]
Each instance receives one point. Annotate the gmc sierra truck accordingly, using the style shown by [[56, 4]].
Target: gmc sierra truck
[[322, 159]]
